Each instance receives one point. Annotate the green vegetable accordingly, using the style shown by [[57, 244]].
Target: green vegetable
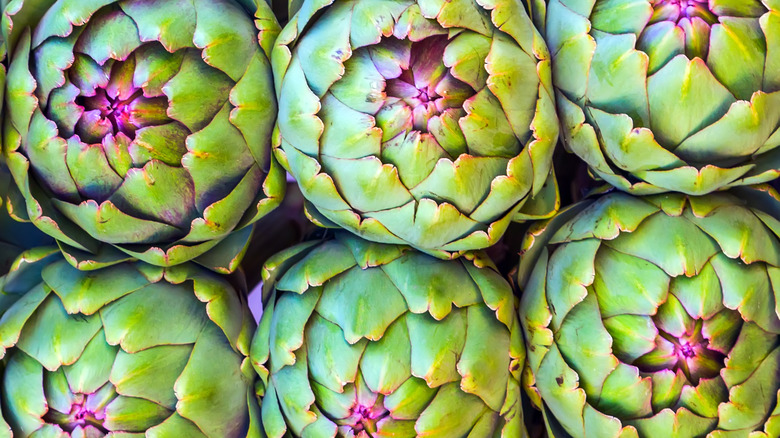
[[142, 129], [668, 95], [15, 237], [656, 316], [428, 123], [363, 339], [131, 350]]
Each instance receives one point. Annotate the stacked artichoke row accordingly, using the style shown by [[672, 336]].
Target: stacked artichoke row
[[390, 218]]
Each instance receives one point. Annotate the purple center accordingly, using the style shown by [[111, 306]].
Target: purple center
[[423, 96], [364, 418], [362, 411], [677, 10], [114, 110], [82, 417], [687, 350], [81, 413], [118, 107], [685, 3], [426, 85]]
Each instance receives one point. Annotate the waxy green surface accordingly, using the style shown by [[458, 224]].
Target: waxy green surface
[[364, 339], [430, 123], [131, 350], [142, 129], [656, 316], [668, 95]]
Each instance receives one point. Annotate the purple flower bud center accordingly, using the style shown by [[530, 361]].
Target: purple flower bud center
[[363, 411], [114, 110], [81, 413], [687, 350], [361, 414], [84, 414], [364, 418], [423, 96], [677, 10], [681, 3], [685, 4], [426, 85], [118, 106]]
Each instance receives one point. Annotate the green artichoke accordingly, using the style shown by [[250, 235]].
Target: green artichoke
[[142, 129], [15, 237], [363, 339], [668, 95], [429, 123], [131, 350], [656, 316]]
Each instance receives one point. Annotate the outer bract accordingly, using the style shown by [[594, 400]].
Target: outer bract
[[361, 339], [429, 123], [656, 317], [142, 126], [15, 237], [669, 95], [132, 350]]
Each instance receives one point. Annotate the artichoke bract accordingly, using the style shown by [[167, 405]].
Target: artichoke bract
[[668, 95], [142, 129], [362, 339], [131, 350], [428, 123], [656, 316]]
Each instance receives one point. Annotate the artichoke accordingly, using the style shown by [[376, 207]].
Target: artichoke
[[130, 350], [15, 237], [142, 129], [668, 95], [656, 316], [361, 339], [427, 123]]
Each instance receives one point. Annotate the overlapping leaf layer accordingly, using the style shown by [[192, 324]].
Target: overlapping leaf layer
[[131, 350], [656, 316], [669, 95], [361, 339], [429, 122], [142, 125]]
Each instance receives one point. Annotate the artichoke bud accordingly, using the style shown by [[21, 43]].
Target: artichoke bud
[[411, 122], [656, 316], [363, 339], [129, 349], [142, 129], [668, 95]]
